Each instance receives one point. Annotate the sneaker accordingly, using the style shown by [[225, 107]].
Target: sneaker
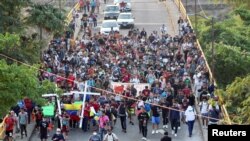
[[156, 132], [172, 132], [166, 126], [153, 131], [175, 135], [163, 126], [145, 138], [179, 128]]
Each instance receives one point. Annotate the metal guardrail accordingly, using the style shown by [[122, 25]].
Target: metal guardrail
[[70, 14], [2, 129], [183, 12], [68, 20]]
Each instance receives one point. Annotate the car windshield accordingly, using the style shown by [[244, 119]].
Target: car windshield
[[112, 8], [109, 24], [124, 16]]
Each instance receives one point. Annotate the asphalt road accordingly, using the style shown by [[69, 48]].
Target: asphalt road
[[149, 14]]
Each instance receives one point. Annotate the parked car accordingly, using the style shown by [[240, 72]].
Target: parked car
[[111, 12], [127, 7], [109, 25], [126, 20]]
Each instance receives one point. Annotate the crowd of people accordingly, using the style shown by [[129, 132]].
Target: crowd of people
[[169, 64]]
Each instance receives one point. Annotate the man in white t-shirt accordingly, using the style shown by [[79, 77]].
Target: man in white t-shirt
[[110, 136], [204, 111], [190, 115]]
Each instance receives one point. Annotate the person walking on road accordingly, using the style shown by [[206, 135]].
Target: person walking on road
[[23, 121], [43, 126], [58, 136], [143, 118], [110, 136], [123, 116], [103, 123], [95, 137], [155, 118], [174, 116], [9, 127], [190, 118]]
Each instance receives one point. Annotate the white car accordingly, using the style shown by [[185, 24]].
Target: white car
[[126, 20], [128, 6], [111, 12], [107, 26]]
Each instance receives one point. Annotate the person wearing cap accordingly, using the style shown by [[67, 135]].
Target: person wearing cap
[[166, 137], [58, 136]]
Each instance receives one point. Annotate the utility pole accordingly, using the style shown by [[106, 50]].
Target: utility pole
[[195, 18], [212, 38]]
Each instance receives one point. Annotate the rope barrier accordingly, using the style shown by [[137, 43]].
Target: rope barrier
[[199, 115]]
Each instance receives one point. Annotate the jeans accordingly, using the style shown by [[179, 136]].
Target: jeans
[[85, 124], [23, 129], [144, 129], [102, 132], [190, 127], [174, 125], [165, 118], [123, 122]]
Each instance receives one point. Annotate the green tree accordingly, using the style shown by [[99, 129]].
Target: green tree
[[237, 100], [47, 17], [8, 40], [10, 13], [18, 81], [230, 62], [22, 48]]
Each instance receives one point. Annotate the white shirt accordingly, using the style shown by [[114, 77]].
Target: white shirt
[[190, 113], [111, 137], [204, 107]]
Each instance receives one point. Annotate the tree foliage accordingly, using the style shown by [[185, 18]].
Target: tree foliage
[[237, 100], [10, 13], [47, 17], [232, 45], [18, 81], [230, 62], [8, 40]]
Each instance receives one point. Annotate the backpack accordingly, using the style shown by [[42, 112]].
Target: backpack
[[95, 138], [147, 107], [106, 137]]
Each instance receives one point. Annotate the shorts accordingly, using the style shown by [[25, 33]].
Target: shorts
[[9, 133], [64, 129], [155, 120], [204, 115]]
